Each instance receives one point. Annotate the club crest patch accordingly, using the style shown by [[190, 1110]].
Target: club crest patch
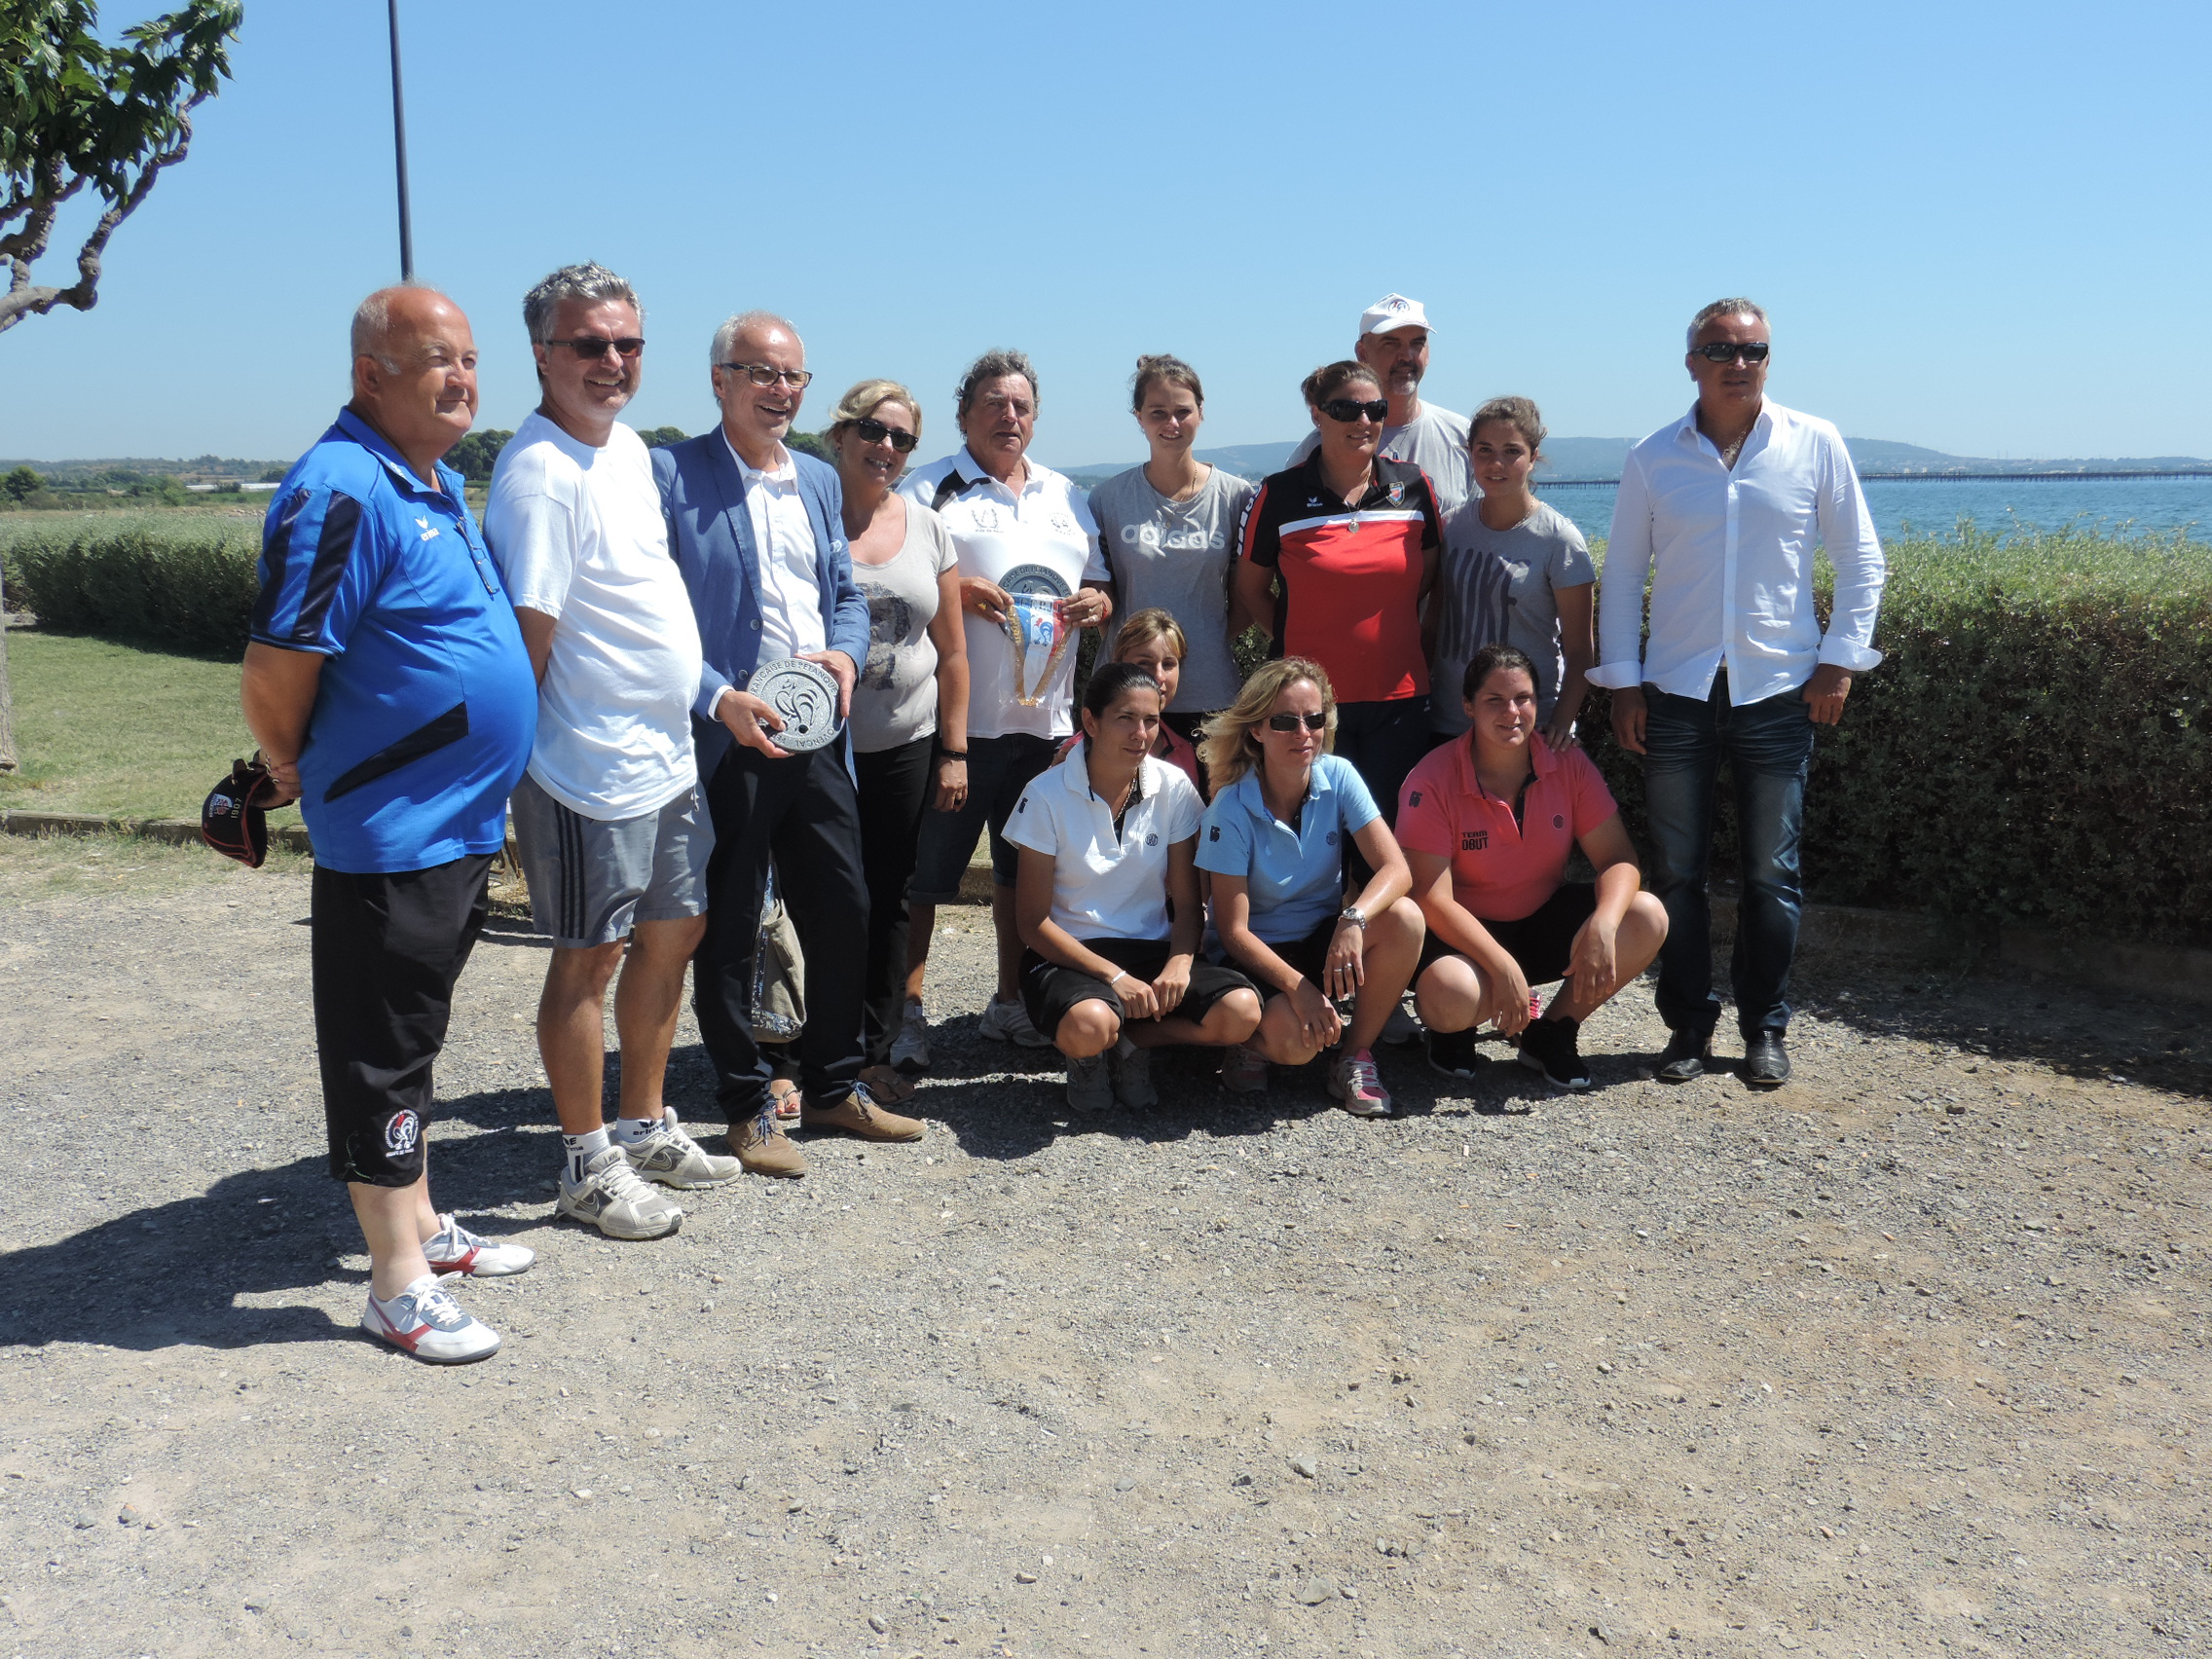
[[1397, 495], [402, 1133]]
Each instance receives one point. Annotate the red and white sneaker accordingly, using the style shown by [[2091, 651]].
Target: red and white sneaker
[[1357, 1088], [425, 1321], [453, 1250]]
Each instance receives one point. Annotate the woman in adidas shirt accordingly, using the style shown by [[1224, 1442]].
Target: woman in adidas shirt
[[1107, 902]]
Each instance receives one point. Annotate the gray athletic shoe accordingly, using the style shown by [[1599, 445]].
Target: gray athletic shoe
[[910, 1049], [1090, 1086], [1009, 1022], [671, 1158], [1132, 1077], [612, 1198]]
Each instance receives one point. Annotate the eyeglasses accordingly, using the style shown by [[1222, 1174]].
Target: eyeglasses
[[1291, 722], [593, 347], [874, 432], [1721, 351], [1350, 409], [765, 373]]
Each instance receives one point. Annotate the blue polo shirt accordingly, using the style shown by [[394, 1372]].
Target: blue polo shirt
[[425, 710], [1295, 878]]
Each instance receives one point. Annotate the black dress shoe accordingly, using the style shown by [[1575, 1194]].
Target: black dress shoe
[[1766, 1060], [1689, 1054]]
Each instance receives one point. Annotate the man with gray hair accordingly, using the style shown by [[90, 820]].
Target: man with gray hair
[[608, 820], [1393, 341], [1721, 510], [758, 534]]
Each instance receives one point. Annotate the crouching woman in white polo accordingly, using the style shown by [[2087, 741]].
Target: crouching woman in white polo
[[1107, 904]]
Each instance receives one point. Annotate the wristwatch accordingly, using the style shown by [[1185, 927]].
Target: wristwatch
[[1353, 914]]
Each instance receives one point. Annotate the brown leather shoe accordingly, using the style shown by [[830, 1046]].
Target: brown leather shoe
[[860, 1114], [763, 1147]]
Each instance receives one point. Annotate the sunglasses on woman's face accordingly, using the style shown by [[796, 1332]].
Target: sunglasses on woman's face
[[874, 431], [1291, 722], [1350, 409]]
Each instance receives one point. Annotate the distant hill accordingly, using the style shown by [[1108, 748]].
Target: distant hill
[[67, 472]]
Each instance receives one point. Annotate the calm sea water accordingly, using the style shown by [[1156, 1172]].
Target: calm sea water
[[2111, 506]]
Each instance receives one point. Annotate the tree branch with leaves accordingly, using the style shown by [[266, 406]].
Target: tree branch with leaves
[[77, 112]]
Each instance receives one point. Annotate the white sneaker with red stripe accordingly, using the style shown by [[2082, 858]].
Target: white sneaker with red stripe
[[425, 1321], [453, 1250]]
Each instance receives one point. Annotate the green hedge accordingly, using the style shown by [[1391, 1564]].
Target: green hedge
[[182, 580], [2035, 749]]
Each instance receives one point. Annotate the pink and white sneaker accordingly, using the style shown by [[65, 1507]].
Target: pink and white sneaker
[[453, 1250], [425, 1321], [1357, 1085]]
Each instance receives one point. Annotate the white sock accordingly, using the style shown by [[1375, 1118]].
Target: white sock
[[629, 1131], [582, 1149]]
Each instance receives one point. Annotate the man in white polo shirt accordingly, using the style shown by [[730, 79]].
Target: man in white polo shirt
[[1016, 523], [613, 835], [1393, 342]]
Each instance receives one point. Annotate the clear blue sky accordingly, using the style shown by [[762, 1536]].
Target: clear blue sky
[[1980, 227]]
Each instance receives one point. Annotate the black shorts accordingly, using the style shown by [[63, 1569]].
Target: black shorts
[[386, 951], [1308, 955], [1542, 941], [1048, 991]]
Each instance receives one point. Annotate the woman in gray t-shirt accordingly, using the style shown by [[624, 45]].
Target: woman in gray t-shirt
[[1515, 573], [1170, 531], [910, 718]]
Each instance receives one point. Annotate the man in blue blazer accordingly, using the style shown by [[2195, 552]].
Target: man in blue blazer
[[758, 534]]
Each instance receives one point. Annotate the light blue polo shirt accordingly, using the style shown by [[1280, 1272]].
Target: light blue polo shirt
[[1295, 878]]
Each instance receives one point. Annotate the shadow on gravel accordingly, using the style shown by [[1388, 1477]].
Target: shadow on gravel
[[172, 1274]]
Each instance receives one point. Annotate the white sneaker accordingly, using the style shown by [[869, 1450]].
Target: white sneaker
[[425, 1321], [910, 1049], [612, 1198], [1132, 1077], [671, 1158], [1090, 1086], [453, 1250], [1009, 1022]]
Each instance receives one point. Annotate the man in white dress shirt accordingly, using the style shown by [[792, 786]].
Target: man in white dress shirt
[[1722, 510], [1393, 342]]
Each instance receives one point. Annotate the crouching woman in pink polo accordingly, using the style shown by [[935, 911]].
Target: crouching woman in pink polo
[[1488, 821]]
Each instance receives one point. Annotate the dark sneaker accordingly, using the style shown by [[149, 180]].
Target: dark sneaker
[[1689, 1054], [1766, 1060], [1548, 1046], [1452, 1053]]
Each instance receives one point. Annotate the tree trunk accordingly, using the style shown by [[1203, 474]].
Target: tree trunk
[[7, 702]]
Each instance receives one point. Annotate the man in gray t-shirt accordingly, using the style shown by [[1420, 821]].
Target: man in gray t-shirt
[[1502, 586], [1175, 555], [1393, 342]]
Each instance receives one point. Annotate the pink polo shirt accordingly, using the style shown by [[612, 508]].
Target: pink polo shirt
[[1500, 871]]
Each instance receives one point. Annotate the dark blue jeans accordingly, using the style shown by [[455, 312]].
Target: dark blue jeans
[[1768, 745]]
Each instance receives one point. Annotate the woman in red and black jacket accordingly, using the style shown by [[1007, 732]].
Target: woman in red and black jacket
[[1338, 554]]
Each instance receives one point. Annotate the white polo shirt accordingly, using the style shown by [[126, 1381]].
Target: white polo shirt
[[1104, 885], [994, 529]]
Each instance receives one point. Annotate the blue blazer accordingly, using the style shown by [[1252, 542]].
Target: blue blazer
[[710, 535]]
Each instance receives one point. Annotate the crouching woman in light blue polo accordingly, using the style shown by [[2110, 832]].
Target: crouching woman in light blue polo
[[1274, 842], [1107, 903]]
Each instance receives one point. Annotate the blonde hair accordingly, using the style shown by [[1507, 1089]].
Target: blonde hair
[[861, 401], [1226, 746], [1147, 625]]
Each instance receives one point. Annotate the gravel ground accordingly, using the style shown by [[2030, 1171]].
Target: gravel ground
[[1908, 1356]]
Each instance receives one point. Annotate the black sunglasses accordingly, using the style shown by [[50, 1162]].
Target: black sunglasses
[[874, 432], [591, 347], [1291, 722], [1721, 351], [1348, 409]]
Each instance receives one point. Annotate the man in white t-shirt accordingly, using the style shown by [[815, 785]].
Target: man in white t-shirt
[[1020, 526], [1393, 342], [613, 835]]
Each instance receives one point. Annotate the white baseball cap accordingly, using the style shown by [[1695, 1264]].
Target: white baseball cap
[[1392, 311]]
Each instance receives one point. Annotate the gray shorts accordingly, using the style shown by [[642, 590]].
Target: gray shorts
[[591, 879]]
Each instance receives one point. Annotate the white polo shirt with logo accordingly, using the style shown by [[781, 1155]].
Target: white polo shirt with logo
[[1104, 885], [996, 530]]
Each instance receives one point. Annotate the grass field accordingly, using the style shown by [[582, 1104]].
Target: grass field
[[111, 728]]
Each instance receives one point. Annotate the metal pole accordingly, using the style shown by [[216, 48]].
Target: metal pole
[[399, 151]]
